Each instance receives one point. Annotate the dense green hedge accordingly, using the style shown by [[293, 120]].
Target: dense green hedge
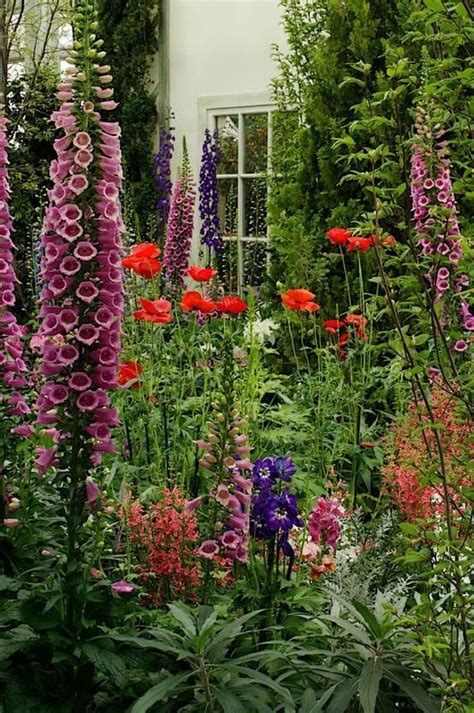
[[130, 31]]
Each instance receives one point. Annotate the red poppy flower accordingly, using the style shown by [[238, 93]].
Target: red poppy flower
[[332, 326], [388, 241], [142, 260], [343, 339], [201, 274], [360, 323], [362, 244], [194, 301], [299, 300], [157, 311], [338, 236], [231, 304], [129, 371]]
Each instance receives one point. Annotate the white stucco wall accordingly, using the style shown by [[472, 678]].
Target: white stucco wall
[[218, 47]]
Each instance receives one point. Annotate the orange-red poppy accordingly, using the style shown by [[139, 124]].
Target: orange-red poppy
[[201, 274], [332, 326], [129, 371], [231, 304], [142, 260], [338, 236], [194, 301], [157, 311], [360, 322], [299, 300], [362, 244]]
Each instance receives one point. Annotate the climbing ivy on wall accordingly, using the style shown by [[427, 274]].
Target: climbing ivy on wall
[[130, 29]]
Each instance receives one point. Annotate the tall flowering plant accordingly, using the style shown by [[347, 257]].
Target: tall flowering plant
[[437, 227], [81, 301], [162, 176], [179, 233], [209, 194], [12, 367]]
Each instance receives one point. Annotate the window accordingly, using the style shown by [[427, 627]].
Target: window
[[245, 139]]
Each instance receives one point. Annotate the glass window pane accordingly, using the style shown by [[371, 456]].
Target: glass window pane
[[255, 207], [256, 143], [254, 262], [228, 127], [228, 265], [228, 206]]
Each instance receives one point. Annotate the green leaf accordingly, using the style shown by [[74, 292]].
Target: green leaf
[[229, 702], [344, 693], [369, 684], [435, 5], [413, 689], [308, 701], [184, 618], [107, 662], [8, 584], [170, 686]]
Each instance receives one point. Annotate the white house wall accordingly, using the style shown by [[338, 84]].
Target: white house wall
[[218, 48]]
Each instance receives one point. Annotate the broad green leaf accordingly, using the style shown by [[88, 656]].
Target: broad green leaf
[[184, 618], [369, 682], [107, 662]]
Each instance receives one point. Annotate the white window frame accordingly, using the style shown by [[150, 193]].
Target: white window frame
[[210, 107]]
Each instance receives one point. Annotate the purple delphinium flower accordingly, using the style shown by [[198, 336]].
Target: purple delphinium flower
[[264, 472], [281, 512], [209, 194], [274, 511], [179, 232], [12, 367], [285, 468], [162, 176], [80, 266], [435, 215]]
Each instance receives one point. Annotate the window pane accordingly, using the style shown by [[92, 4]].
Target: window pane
[[256, 143], [254, 263], [229, 143], [228, 265], [255, 207], [228, 206]]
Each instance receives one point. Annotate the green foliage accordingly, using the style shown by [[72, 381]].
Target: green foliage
[[352, 79], [130, 31], [30, 103]]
